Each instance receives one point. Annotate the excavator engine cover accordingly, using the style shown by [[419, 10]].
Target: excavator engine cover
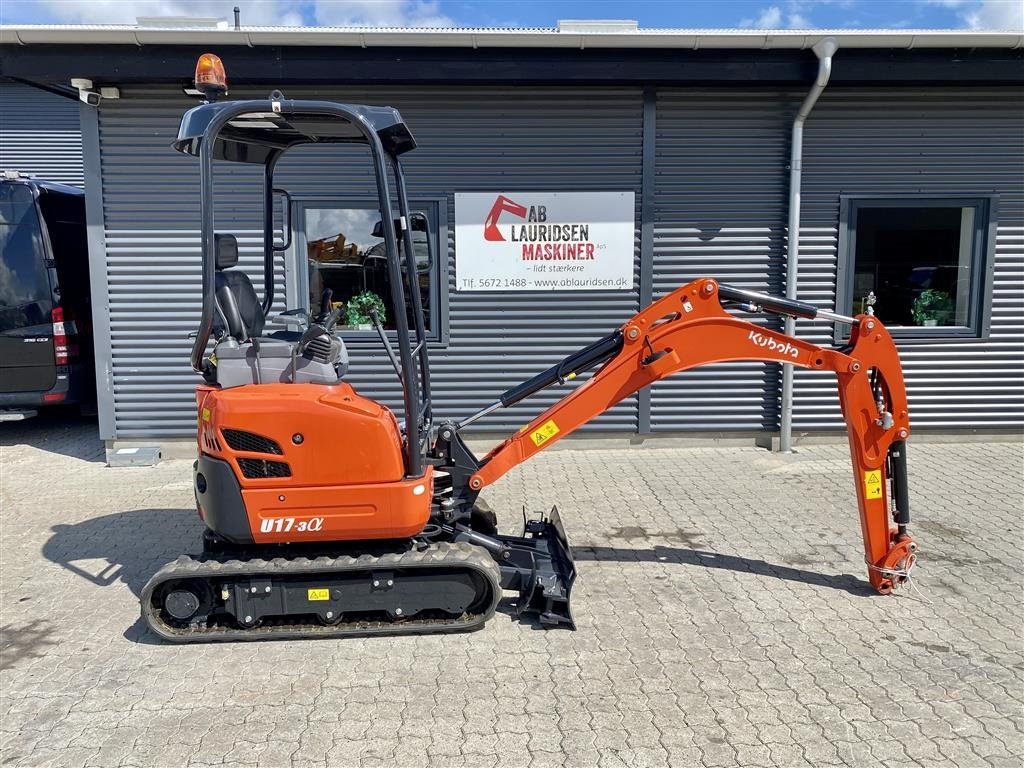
[[293, 463]]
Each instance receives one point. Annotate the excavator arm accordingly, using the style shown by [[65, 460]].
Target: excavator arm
[[690, 327]]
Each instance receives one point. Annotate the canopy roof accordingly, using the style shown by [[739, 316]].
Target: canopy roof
[[259, 131]]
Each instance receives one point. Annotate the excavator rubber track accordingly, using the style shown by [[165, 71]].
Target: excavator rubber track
[[443, 587]]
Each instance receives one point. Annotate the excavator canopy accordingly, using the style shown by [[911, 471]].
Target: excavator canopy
[[253, 137]]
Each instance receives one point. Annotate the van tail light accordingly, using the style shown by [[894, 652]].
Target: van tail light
[[60, 337], [63, 328]]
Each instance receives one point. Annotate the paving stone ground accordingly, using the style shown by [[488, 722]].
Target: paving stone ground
[[723, 614]]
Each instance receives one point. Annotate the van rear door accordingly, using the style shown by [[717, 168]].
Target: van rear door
[[26, 297]]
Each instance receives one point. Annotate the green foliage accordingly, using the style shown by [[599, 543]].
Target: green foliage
[[357, 311], [932, 304]]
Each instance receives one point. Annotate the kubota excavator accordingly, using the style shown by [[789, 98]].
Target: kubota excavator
[[326, 516]]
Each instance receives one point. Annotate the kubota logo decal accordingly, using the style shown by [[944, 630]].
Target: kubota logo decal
[[783, 348]]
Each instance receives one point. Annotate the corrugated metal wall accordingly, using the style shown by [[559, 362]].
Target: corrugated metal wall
[[720, 211], [471, 139], [720, 195], [900, 142], [39, 134]]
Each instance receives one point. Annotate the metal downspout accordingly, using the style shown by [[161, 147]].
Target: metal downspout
[[824, 50]]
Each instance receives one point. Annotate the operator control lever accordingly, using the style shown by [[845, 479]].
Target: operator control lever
[[333, 318], [325, 302], [375, 317]]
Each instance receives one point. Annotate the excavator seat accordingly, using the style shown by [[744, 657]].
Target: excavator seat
[[244, 355], [238, 307]]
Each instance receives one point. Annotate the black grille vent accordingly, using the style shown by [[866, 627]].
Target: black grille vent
[[254, 468], [250, 443], [318, 349]]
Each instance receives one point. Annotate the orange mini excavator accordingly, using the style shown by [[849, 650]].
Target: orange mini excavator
[[327, 516]]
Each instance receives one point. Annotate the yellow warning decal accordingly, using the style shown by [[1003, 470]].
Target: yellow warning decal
[[206, 414], [547, 430], [873, 484], [318, 594]]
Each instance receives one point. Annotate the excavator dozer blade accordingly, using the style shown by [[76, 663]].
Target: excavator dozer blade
[[541, 567]]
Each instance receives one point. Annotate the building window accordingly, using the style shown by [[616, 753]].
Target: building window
[[345, 259], [924, 260]]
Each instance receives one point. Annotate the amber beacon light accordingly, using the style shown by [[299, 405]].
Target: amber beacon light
[[210, 77]]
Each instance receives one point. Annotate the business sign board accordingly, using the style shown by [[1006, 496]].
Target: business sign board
[[544, 241]]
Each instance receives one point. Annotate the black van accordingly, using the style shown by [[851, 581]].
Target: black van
[[46, 354]]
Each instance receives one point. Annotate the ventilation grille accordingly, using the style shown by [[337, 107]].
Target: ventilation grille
[[250, 443], [210, 441], [255, 468], [318, 349]]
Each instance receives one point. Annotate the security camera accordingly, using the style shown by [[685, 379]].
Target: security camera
[[92, 98], [81, 83]]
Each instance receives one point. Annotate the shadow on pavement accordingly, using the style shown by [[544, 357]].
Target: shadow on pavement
[[125, 546], [24, 642], [129, 547], [57, 429], [706, 559]]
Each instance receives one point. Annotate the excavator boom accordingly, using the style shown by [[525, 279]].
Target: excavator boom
[[690, 327]]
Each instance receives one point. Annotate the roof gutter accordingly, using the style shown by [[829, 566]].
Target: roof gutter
[[824, 50], [364, 37]]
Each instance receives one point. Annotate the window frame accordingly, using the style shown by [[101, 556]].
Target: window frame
[[297, 275], [979, 318]]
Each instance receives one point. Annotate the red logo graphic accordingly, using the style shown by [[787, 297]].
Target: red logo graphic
[[491, 231]]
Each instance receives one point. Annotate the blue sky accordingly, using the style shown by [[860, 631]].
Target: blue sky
[[976, 14]]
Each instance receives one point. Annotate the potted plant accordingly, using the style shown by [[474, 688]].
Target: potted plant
[[357, 311], [933, 307]]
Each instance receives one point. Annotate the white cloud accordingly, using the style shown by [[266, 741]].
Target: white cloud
[[381, 13], [770, 18], [794, 14], [995, 14], [986, 14], [374, 13], [126, 11]]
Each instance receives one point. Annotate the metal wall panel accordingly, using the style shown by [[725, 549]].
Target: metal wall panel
[[953, 142], [39, 134], [720, 211], [470, 139]]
